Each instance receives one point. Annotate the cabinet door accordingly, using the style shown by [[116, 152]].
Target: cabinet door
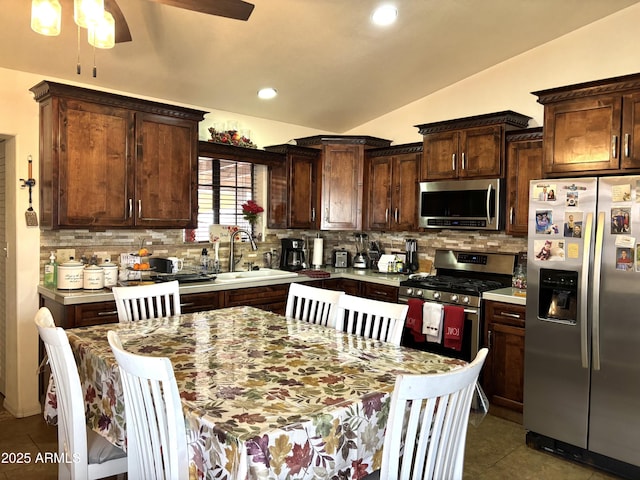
[[404, 195], [630, 151], [166, 172], [378, 206], [481, 152], [582, 135], [342, 178], [524, 163], [440, 159], [303, 193], [507, 365], [94, 177], [278, 196]]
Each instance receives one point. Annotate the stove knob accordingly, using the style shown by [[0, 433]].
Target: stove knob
[[419, 293], [436, 295], [409, 291], [454, 298], [465, 300]]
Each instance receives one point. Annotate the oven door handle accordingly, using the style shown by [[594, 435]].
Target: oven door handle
[[471, 311], [489, 203]]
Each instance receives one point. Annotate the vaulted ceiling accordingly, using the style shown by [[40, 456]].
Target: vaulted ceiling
[[332, 68]]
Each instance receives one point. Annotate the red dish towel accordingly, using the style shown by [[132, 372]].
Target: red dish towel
[[414, 319], [453, 326]]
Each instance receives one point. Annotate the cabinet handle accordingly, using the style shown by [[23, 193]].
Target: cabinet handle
[[313, 214], [106, 314], [382, 294], [396, 215], [614, 146], [489, 338], [511, 215], [139, 208], [512, 315], [188, 304], [386, 215], [130, 208], [464, 163], [627, 137], [453, 162]]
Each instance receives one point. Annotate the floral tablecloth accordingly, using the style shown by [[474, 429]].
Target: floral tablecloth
[[264, 397]]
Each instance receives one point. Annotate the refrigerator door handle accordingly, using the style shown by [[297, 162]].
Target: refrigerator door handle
[[597, 267], [584, 292]]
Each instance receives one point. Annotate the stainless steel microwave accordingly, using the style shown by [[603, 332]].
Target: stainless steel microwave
[[462, 204]]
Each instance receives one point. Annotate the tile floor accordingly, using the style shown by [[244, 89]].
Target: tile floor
[[496, 450]]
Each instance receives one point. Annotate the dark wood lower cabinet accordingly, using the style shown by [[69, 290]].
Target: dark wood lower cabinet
[[503, 372], [272, 298]]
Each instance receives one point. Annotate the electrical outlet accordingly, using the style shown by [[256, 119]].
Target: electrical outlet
[[65, 254]]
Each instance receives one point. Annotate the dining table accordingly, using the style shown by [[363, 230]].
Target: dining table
[[264, 396]]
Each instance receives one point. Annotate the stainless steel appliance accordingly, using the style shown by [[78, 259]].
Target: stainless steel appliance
[[292, 257], [461, 279], [462, 204], [582, 337], [340, 258], [361, 259]]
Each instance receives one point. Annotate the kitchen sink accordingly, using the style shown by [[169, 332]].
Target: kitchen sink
[[247, 276]]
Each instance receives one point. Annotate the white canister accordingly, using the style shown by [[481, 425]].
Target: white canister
[[110, 273], [93, 278], [70, 275]]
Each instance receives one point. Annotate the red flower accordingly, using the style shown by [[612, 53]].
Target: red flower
[[250, 211]]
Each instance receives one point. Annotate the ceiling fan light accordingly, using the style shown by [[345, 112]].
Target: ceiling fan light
[[103, 34], [87, 12], [46, 16], [384, 15], [267, 93]]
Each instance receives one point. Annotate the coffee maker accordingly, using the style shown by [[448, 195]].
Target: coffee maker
[[292, 255]]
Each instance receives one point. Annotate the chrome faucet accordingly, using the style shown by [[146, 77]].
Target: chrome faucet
[[232, 261]]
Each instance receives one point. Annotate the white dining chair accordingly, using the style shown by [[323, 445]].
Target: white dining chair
[[371, 318], [90, 456], [141, 302], [156, 433], [312, 304], [427, 426]]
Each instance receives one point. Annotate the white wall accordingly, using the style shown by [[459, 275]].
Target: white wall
[[604, 49]]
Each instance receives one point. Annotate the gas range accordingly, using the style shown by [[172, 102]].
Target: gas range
[[462, 277]]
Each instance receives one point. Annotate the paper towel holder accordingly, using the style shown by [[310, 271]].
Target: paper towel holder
[[318, 252]]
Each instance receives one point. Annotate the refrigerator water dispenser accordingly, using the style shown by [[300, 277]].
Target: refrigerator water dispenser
[[558, 298]]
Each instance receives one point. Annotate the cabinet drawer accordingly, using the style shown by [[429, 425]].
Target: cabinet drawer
[[376, 291], [94, 314], [199, 302], [256, 296], [506, 313]]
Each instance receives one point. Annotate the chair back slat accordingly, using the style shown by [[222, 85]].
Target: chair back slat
[[427, 426], [156, 432], [374, 319], [312, 304], [142, 302]]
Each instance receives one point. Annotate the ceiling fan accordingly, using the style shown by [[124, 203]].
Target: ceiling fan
[[236, 9]]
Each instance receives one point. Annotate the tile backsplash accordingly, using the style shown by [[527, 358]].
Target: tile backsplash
[[166, 243]]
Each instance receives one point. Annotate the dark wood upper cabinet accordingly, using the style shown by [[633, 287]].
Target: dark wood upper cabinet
[[293, 188], [391, 188], [592, 128], [524, 163], [469, 147], [108, 161], [342, 188]]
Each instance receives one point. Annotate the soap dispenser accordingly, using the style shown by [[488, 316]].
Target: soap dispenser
[[51, 272]]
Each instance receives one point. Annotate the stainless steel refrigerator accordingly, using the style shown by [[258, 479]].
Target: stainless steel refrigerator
[[582, 337]]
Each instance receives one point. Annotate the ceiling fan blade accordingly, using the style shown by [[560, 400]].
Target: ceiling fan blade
[[236, 9], [122, 29]]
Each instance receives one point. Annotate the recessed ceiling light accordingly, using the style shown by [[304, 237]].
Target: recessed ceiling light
[[267, 93], [384, 15]]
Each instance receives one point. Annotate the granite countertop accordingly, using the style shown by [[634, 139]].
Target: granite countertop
[[74, 297], [507, 295]]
